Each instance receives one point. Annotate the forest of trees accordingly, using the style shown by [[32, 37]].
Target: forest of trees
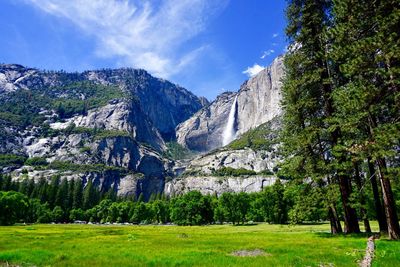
[[341, 103], [64, 201]]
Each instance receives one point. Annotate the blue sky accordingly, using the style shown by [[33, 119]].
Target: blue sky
[[206, 46]]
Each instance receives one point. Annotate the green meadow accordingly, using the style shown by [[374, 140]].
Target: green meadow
[[118, 245]]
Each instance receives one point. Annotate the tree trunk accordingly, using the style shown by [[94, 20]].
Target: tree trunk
[[380, 214], [336, 227], [350, 214], [363, 211], [388, 200]]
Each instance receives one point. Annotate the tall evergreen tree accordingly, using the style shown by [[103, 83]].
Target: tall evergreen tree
[[52, 191], [309, 139], [89, 196], [71, 190], [78, 195], [62, 195], [366, 45]]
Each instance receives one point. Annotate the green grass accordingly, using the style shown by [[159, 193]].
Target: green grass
[[89, 245]]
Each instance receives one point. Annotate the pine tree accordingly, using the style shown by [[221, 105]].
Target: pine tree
[[71, 190], [52, 191], [366, 45], [6, 183], [89, 196], [78, 195], [62, 195], [1, 181], [309, 140]]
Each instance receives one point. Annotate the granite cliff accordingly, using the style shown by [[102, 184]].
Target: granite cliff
[[106, 125], [115, 127], [258, 101]]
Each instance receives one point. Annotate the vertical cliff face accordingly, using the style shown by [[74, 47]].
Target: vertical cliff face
[[259, 98], [165, 104], [204, 130], [258, 101]]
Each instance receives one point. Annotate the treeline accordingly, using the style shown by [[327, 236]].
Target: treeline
[[65, 201], [341, 96]]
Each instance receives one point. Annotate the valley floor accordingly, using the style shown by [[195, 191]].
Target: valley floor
[[111, 245]]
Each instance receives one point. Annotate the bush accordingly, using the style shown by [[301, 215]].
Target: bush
[[77, 214], [228, 171], [176, 151], [36, 161], [11, 160]]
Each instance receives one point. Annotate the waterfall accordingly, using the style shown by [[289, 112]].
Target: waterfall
[[230, 132]]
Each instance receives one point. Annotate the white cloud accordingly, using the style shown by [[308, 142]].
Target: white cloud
[[143, 34], [275, 35], [254, 70], [267, 53]]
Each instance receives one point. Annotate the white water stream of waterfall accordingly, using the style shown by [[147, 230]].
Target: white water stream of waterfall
[[229, 133]]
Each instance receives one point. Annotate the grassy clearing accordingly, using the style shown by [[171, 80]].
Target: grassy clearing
[[89, 245]]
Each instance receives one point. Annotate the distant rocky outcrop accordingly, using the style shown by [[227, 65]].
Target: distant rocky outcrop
[[258, 101], [218, 185], [108, 126], [112, 127], [252, 158], [165, 104], [248, 164]]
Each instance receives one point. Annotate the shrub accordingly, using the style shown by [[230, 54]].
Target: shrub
[[11, 160], [36, 161], [228, 171]]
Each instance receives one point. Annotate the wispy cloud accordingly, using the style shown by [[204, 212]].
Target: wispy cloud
[[138, 33], [267, 53], [254, 70], [275, 35]]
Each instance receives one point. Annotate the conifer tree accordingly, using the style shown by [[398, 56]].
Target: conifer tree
[[62, 195], [77, 195], [366, 45], [52, 191], [89, 196], [309, 139], [71, 190]]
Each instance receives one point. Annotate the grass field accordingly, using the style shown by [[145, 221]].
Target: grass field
[[91, 245]]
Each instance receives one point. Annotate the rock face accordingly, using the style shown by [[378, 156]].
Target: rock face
[[203, 131], [165, 104], [258, 101], [258, 161], [111, 127], [116, 120], [121, 116], [218, 185], [200, 173]]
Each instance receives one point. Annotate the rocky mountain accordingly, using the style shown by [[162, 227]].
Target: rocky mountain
[[115, 127], [257, 102], [107, 125], [237, 135], [164, 103], [246, 164]]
